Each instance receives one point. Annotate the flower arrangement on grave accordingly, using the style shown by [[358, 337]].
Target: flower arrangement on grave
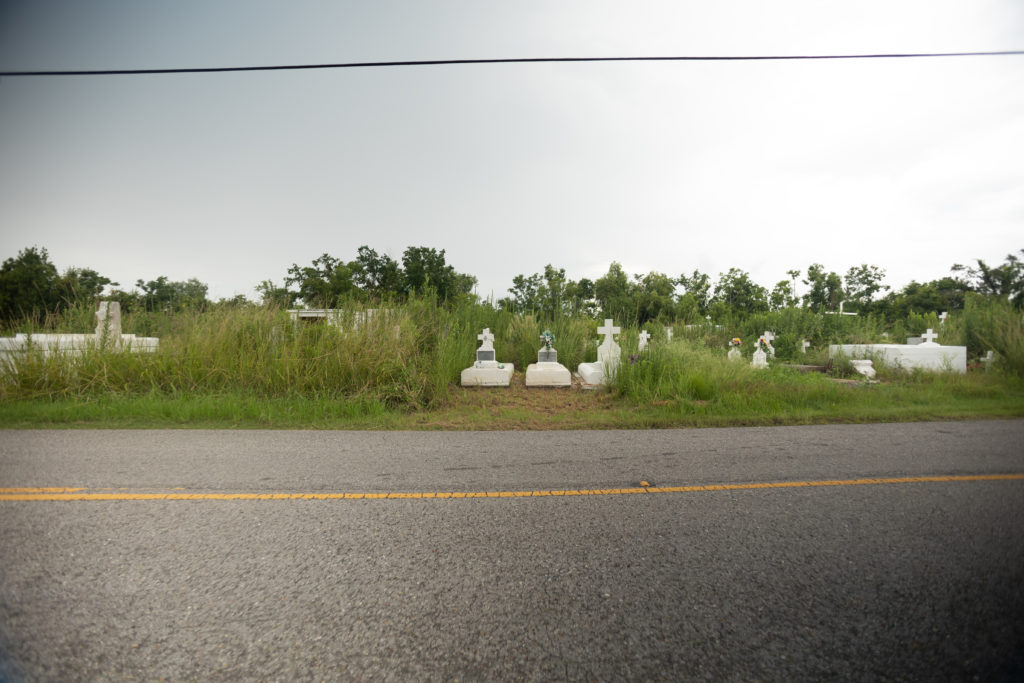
[[548, 339], [762, 344], [735, 341]]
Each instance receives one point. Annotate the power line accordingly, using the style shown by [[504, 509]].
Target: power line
[[522, 60]]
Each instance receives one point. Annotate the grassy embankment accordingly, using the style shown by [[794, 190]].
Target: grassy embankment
[[250, 368]]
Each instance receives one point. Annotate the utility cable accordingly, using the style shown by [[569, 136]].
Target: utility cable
[[523, 60]]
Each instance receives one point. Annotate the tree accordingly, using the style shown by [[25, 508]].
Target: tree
[[698, 286], [862, 283], [738, 292], [323, 283], [826, 289], [425, 268], [1006, 281], [162, 294], [29, 284], [782, 296], [613, 293], [579, 298], [654, 296], [79, 284], [272, 295], [377, 274], [525, 293]]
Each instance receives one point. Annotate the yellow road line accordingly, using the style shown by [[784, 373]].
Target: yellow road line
[[81, 494]]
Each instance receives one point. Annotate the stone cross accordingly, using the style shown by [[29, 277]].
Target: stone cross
[[668, 334], [608, 329], [929, 336], [804, 345], [486, 350], [942, 317], [487, 338], [769, 337], [987, 359], [644, 338]]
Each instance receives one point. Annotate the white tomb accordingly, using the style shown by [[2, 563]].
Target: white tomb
[[609, 355], [487, 371], [734, 354], [668, 334], [926, 355], [547, 371], [804, 345], [642, 343], [760, 359], [107, 336], [864, 367]]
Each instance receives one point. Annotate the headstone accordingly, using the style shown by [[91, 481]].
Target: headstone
[[769, 337], [608, 358], [942, 317], [804, 345], [988, 359], [734, 349], [547, 371], [486, 371], [108, 323], [668, 334], [864, 367], [929, 337], [644, 338], [759, 359]]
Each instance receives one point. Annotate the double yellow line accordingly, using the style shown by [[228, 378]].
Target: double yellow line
[[52, 494]]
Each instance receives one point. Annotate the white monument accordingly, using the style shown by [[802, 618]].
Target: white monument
[[926, 355], [804, 345], [547, 371], [487, 371], [107, 336], [864, 367], [642, 343], [760, 359], [609, 355], [768, 338], [668, 335], [734, 349]]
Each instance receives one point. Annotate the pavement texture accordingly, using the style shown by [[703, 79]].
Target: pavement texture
[[914, 581]]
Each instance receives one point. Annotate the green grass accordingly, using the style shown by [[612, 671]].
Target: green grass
[[250, 367]]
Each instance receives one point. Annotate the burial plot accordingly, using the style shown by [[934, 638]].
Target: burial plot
[[547, 371], [487, 371], [609, 355], [927, 355]]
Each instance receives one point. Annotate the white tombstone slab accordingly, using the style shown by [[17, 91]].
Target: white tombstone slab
[[609, 355], [734, 354], [926, 355], [547, 371], [804, 345], [864, 367], [759, 359], [487, 371], [643, 339], [668, 334]]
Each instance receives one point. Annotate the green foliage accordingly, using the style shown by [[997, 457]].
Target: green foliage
[[29, 285]]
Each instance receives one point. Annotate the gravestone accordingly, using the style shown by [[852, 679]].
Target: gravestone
[[668, 334], [942, 317], [487, 371], [864, 367], [643, 339], [108, 323], [609, 356], [769, 337], [760, 359], [804, 345], [547, 371], [734, 349]]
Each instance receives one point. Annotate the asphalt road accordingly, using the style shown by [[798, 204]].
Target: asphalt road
[[920, 580]]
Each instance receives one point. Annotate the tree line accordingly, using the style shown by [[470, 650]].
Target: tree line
[[31, 285]]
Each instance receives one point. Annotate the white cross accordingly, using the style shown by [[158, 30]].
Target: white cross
[[942, 317], [668, 333], [487, 338], [608, 329], [768, 337], [929, 336], [644, 337], [806, 345]]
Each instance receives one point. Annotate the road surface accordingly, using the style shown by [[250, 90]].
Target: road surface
[[847, 551]]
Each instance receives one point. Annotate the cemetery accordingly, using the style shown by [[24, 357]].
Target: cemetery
[[415, 364]]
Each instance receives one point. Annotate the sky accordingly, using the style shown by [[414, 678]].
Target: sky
[[908, 164]]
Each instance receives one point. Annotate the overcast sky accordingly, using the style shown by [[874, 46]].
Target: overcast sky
[[910, 164]]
